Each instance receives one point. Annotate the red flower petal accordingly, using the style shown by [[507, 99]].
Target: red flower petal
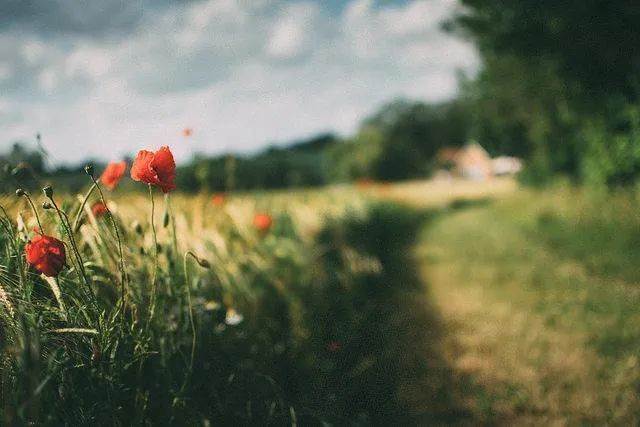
[[46, 254], [141, 171], [165, 169]]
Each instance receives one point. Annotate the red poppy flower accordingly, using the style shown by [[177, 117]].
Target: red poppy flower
[[113, 174], [262, 222], [98, 209], [157, 169], [218, 199], [46, 254], [187, 132]]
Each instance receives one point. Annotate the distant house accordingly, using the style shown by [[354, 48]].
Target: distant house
[[505, 165], [471, 161], [474, 163]]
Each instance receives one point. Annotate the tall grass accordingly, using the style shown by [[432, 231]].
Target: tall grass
[[302, 324]]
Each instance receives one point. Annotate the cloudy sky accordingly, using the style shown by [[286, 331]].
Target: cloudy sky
[[103, 78]]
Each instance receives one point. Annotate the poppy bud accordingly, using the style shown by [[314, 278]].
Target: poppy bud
[[165, 219], [20, 192], [47, 205], [48, 191], [203, 263], [88, 169]]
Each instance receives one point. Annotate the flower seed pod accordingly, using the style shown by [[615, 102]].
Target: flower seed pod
[[47, 205], [20, 192], [48, 191], [89, 170]]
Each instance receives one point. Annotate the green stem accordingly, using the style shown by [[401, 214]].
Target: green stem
[[66, 225], [155, 256], [173, 224], [123, 273], [76, 222], [191, 321], [35, 211]]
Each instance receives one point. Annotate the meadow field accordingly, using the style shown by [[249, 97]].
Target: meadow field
[[418, 303]]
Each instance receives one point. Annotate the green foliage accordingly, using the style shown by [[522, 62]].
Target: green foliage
[[356, 157], [552, 88], [612, 154]]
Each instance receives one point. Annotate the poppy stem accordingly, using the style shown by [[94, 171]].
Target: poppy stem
[[35, 211], [174, 236], [191, 321], [66, 225], [123, 273], [154, 278], [76, 222]]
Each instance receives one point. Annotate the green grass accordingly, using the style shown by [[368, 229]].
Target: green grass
[[541, 295]]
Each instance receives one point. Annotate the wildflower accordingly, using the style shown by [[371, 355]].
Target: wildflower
[[113, 174], [218, 199], [46, 254], [157, 168], [262, 222], [98, 209]]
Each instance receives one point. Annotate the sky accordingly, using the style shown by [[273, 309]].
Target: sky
[[103, 78]]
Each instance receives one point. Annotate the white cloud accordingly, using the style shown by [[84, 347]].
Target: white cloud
[[241, 74], [32, 51], [292, 30], [88, 61], [417, 17], [48, 80]]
